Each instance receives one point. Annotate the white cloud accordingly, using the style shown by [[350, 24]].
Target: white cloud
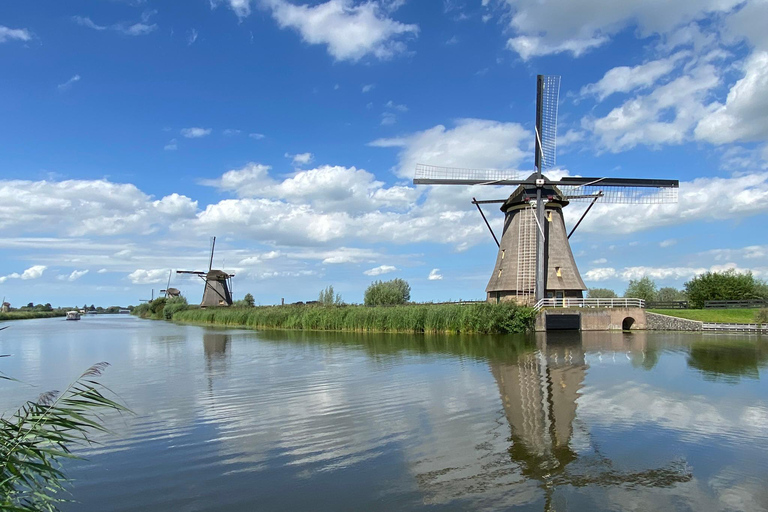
[[394, 106], [744, 116], [66, 85], [171, 146], [626, 79], [33, 272], [102, 271], [231, 132], [192, 37], [242, 8], [195, 132], [388, 119], [349, 31], [472, 143], [131, 29], [667, 115], [86, 207], [11, 34], [577, 26], [257, 136], [300, 158], [76, 274], [435, 275], [707, 199], [600, 274], [368, 88], [600, 261], [141, 276], [667, 243], [382, 269]]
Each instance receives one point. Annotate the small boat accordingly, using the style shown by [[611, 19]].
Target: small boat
[[73, 315]]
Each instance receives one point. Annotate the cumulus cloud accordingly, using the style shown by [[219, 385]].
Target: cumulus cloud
[[350, 32], [300, 158], [171, 146], [667, 243], [472, 143], [75, 275], [624, 79], [86, 207], [382, 269], [673, 273], [368, 88], [557, 26], [435, 275], [33, 272], [141, 276], [14, 34], [195, 132]]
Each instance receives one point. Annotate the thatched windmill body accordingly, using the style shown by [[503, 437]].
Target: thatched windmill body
[[217, 284], [535, 259]]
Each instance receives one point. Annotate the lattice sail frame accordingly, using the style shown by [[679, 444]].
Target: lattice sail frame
[[550, 96], [426, 172], [619, 194]]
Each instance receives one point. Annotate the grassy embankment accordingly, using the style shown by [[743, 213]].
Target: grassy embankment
[[415, 318], [720, 316], [26, 315]]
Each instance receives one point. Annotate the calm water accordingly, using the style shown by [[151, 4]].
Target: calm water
[[241, 420]]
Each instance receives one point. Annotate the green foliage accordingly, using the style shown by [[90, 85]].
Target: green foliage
[[35, 439], [761, 317], [670, 294], [643, 288], [601, 293], [249, 300], [388, 293], [721, 316], [328, 298], [25, 315], [728, 285], [142, 310], [174, 305], [483, 318]]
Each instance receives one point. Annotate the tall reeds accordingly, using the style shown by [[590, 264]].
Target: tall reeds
[[414, 318]]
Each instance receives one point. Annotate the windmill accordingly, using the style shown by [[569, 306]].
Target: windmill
[[170, 292], [217, 283], [535, 259]]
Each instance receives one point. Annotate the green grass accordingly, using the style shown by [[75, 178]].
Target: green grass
[[444, 318], [722, 316], [26, 315]]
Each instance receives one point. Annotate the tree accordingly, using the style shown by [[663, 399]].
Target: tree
[[388, 293], [328, 298], [92, 308], [728, 285], [670, 294], [249, 301], [601, 293], [643, 288]]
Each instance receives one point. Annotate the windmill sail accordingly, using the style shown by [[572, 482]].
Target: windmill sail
[[550, 93]]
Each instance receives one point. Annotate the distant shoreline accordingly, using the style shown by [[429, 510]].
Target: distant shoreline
[[29, 315]]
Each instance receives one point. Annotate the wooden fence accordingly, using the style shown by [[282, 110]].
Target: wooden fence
[[672, 304], [734, 304]]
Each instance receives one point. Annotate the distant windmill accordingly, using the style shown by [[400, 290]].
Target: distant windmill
[[170, 292], [217, 284], [535, 259]]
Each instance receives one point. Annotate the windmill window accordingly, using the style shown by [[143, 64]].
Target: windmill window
[[558, 271], [500, 270], [502, 254], [549, 216]]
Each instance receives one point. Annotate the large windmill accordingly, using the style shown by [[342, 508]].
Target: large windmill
[[535, 259], [217, 283]]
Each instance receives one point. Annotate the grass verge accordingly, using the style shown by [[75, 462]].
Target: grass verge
[[26, 315], [444, 318], [721, 316]]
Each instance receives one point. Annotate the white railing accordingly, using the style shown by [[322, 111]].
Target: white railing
[[589, 303]]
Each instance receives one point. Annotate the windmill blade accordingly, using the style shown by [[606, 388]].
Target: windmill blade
[[620, 194], [547, 96], [436, 175]]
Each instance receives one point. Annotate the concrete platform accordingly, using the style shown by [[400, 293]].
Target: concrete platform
[[591, 319]]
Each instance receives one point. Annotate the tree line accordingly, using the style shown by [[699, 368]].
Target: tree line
[[728, 285]]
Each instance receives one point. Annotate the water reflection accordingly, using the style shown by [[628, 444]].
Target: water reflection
[[728, 359]]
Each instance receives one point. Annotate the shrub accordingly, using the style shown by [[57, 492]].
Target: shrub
[[761, 317], [388, 293], [728, 285], [601, 293], [249, 301], [174, 305]]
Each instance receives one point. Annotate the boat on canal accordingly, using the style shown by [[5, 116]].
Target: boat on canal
[[73, 315]]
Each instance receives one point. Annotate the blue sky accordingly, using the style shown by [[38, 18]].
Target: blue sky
[[134, 130]]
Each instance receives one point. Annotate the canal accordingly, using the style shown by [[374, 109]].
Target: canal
[[234, 420]]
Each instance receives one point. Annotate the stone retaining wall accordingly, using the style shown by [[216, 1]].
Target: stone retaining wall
[[656, 322]]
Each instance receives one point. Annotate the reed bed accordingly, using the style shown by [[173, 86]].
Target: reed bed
[[413, 318], [26, 315]]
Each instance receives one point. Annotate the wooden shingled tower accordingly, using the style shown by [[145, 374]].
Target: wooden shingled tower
[[535, 259], [217, 284]]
